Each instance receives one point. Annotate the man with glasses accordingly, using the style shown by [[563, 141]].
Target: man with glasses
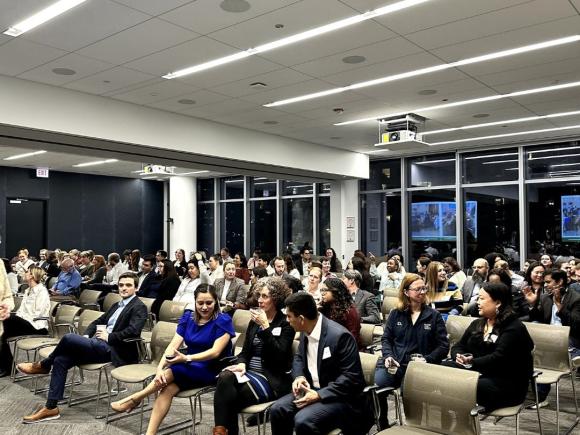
[[473, 284], [306, 263], [68, 281]]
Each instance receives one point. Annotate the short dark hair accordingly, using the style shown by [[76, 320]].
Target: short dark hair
[[424, 261], [558, 275], [131, 275], [302, 304], [150, 258], [278, 258], [226, 250], [264, 257], [500, 293], [503, 276], [162, 253], [259, 272]]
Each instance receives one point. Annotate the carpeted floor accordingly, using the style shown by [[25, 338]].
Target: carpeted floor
[[16, 400]]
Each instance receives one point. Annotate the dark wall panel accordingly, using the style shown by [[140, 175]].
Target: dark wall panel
[[98, 214], [65, 211]]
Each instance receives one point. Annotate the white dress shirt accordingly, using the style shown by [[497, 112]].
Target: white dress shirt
[[227, 284], [36, 303], [312, 352]]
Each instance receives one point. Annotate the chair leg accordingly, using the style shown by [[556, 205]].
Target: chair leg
[[108, 392], [200, 409], [194, 415], [243, 418], [572, 377], [518, 423], [192, 405], [536, 397], [72, 386], [259, 423], [99, 392], [558, 407]]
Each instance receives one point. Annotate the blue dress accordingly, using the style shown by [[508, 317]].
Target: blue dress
[[198, 339]]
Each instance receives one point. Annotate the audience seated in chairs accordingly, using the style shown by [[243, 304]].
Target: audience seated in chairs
[[168, 286], [499, 347], [99, 272], [35, 304], [207, 334], [327, 392], [337, 305], [186, 291], [412, 328], [364, 301], [442, 294], [68, 281], [124, 320], [291, 267], [230, 290], [266, 359], [519, 304]]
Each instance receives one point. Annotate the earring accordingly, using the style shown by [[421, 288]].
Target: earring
[[496, 310]]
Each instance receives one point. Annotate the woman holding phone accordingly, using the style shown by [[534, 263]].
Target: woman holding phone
[[207, 334]]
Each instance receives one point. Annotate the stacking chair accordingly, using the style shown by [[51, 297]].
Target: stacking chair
[[88, 300], [391, 292], [110, 300], [551, 358], [150, 316], [456, 326], [367, 335], [389, 304], [433, 406], [171, 311], [241, 321]]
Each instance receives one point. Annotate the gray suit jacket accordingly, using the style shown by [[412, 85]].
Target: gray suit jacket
[[467, 289], [236, 293], [367, 307]]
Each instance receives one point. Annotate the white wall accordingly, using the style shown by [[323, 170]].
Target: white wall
[[344, 202], [183, 211]]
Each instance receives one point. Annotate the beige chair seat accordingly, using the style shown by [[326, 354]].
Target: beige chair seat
[[46, 351], [405, 430], [255, 409], [134, 373], [195, 391], [93, 366], [508, 411], [33, 343], [550, 376], [334, 432]]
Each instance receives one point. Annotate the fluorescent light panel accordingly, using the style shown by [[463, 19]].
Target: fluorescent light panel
[[427, 162], [98, 162], [467, 102], [297, 37], [551, 150], [499, 162], [428, 70], [489, 156], [553, 157], [22, 156], [43, 16], [560, 165], [504, 122]]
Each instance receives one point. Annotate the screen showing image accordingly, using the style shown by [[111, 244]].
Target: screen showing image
[[435, 221], [570, 217]]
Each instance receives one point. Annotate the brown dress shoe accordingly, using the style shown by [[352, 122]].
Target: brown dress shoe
[[43, 414], [220, 430], [34, 368]]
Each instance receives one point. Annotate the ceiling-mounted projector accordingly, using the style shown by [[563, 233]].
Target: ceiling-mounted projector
[[401, 131]]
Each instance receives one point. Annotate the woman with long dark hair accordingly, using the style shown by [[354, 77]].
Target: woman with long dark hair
[[168, 287], [337, 305], [362, 266], [242, 270], [180, 263], [335, 265]]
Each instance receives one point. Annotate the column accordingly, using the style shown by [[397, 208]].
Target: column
[[182, 214], [344, 211]]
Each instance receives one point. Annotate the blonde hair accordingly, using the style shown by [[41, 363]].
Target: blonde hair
[[317, 270], [432, 279], [36, 273], [23, 251], [404, 300]]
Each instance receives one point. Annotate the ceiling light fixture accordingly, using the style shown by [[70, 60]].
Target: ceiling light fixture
[[551, 150], [499, 162], [495, 136], [553, 157], [21, 156], [509, 121], [490, 156], [428, 70], [336, 25], [564, 164], [192, 173], [466, 102], [43, 16], [428, 162], [98, 162]]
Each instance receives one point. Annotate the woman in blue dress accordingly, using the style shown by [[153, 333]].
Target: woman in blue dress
[[207, 334]]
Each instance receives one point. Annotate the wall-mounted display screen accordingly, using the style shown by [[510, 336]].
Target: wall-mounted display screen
[[435, 221], [570, 218]]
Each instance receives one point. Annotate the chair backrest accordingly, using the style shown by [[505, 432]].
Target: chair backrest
[[456, 326], [64, 319], [110, 300], [391, 292], [148, 303], [551, 346], [389, 304], [88, 299], [86, 318], [171, 311], [163, 333], [241, 320], [440, 399], [369, 364], [366, 334]]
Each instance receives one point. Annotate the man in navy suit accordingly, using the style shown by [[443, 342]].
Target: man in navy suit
[[148, 279], [328, 378], [107, 343]]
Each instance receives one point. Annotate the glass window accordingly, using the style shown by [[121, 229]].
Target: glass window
[[232, 226], [205, 228], [486, 166], [232, 187], [491, 223], [432, 223], [381, 223], [261, 187], [554, 219], [292, 188], [323, 224], [437, 170], [323, 188], [296, 223], [553, 161], [383, 174], [263, 226], [205, 189]]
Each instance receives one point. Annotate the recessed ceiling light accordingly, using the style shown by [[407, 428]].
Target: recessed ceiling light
[[336, 25], [98, 162], [186, 101], [271, 122], [354, 59], [235, 6], [43, 16], [467, 102], [21, 156], [427, 92], [481, 115], [445, 99], [428, 70], [338, 110], [64, 71], [279, 26], [258, 85]]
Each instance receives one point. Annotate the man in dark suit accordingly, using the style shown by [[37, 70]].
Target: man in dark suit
[[364, 301], [148, 280], [103, 343], [472, 285], [304, 265], [328, 379]]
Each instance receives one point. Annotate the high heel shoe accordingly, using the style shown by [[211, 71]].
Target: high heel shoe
[[125, 405]]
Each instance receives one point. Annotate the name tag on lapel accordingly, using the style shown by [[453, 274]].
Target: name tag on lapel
[[277, 331], [427, 326], [399, 323], [326, 353]]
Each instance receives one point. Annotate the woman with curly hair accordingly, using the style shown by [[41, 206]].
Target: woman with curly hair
[[337, 305]]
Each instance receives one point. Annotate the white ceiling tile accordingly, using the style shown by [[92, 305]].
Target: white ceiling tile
[[19, 55], [200, 97], [527, 14], [214, 111], [138, 41], [86, 24], [555, 105], [151, 93], [206, 16], [109, 81], [273, 80], [153, 7], [304, 87], [84, 66], [15, 11]]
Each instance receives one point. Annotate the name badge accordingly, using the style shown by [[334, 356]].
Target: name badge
[[427, 326], [326, 353], [277, 331], [399, 323], [493, 338]]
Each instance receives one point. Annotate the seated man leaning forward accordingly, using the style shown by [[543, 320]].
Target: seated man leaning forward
[[327, 391], [104, 343]]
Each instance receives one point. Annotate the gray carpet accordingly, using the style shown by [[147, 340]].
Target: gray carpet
[[16, 400]]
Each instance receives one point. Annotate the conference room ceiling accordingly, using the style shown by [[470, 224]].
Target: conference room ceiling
[[120, 49]]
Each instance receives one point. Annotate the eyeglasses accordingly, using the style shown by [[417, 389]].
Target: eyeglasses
[[419, 290]]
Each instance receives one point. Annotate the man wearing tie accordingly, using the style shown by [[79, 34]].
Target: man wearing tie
[[328, 379], [104, 342]]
